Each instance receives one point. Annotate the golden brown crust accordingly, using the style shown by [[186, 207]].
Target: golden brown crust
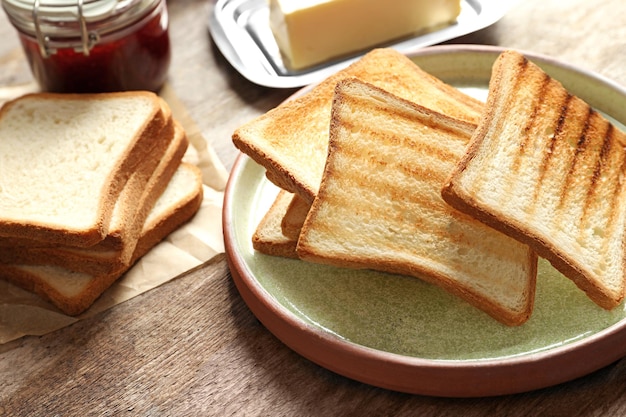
[[67, 305], [180, 214], [283, 249]]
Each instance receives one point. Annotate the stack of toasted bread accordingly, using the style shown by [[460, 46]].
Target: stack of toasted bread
[[88, 184], [384, 167]]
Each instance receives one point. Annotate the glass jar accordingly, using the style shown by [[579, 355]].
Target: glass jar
[[86, 46]]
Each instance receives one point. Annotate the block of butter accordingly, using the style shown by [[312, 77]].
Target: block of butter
[[310, 32]]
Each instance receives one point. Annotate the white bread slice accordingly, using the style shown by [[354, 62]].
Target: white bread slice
[[291, 141], [74, 292], [268, 237], [123, 213], [379, 205], [129, 215], [547, 169], [64, 160]]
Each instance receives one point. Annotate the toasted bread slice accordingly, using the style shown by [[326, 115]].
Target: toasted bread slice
[[73, 292], [547, 169], [291, 141], [379, 205], [268, 237], [294, 217]]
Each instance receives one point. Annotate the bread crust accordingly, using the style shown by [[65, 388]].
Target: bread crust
[[156, 230]]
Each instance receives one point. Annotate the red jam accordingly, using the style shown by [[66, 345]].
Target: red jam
[[128, 60]]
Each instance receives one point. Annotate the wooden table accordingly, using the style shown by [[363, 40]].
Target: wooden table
[[192, 347]]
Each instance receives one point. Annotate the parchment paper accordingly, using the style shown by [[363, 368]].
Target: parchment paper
[[23, 313]]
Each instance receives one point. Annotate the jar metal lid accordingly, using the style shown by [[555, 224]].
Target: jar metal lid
[[65, 10], [59, 18], [84, 20]]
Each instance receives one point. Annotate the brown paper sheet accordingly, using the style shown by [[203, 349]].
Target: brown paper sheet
[[23, 313]]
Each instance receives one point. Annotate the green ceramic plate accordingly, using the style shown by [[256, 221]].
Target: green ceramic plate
[[401, 333]]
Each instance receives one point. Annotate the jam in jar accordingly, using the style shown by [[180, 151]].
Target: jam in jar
[[88, 46]]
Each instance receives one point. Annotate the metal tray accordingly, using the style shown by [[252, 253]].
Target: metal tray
[[240, 29]]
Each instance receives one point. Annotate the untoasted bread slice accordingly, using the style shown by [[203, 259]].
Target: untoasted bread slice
[[116, 250], [379, 205], [291, 141], [548, 170], [64, 160], [268, 237], [73, 292]]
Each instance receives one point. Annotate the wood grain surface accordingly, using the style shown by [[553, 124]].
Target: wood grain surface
[[191, 347]]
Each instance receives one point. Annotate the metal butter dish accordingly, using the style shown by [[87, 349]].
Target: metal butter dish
[[241, 31]]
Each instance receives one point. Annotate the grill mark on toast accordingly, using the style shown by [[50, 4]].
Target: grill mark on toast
[[360, 151], [419, 117], [539, 99], [608, 141], [549, 150], [377, 138], [480, 181], [424, 206], [417, 205], [416, 172], [569, 180], [601, 162], [613, 214], [611, 133], [592, 157], [420, 146]]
